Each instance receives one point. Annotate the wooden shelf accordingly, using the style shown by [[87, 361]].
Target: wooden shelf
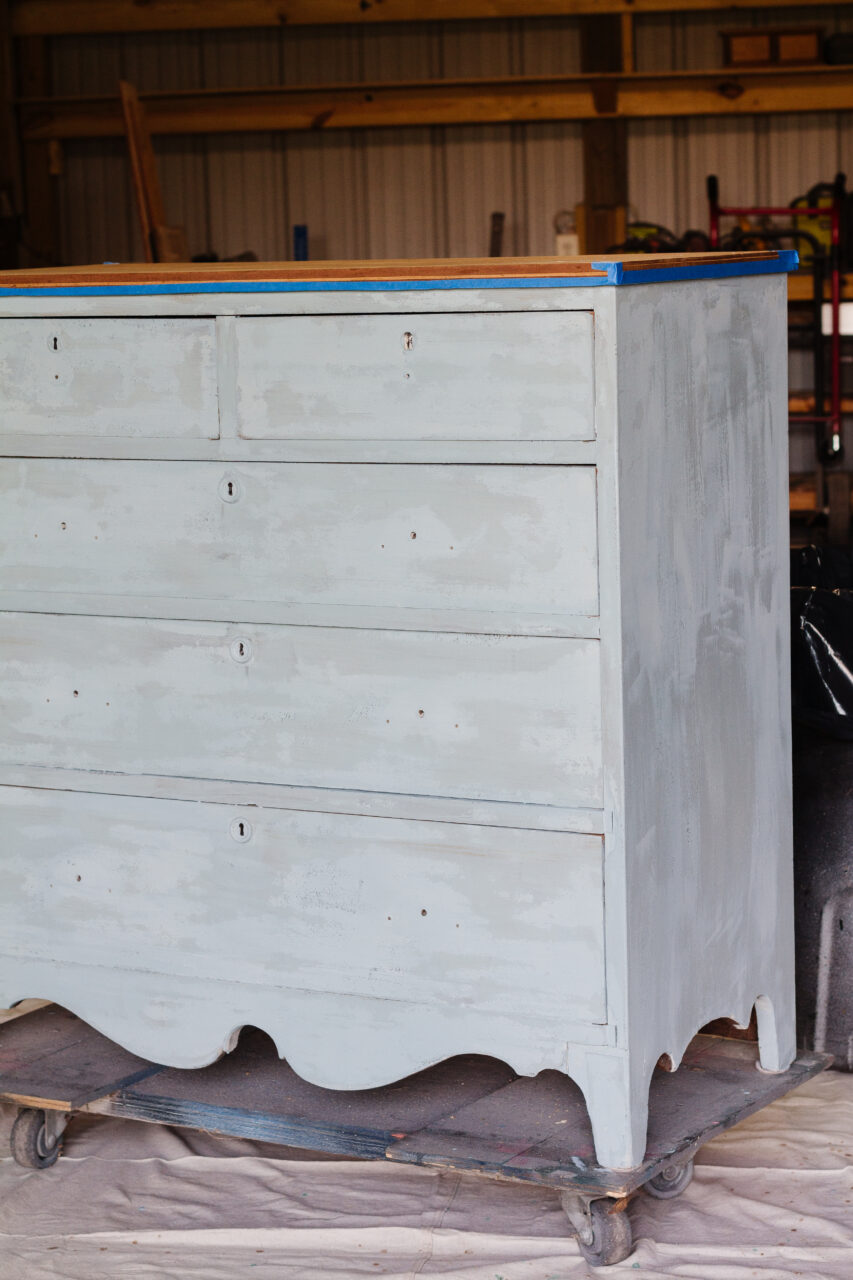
[[437, 102], [802, 492], [800, 286], [84, 17], [803, 402]]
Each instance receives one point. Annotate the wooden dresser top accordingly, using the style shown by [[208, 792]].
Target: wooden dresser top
[[424, 273]]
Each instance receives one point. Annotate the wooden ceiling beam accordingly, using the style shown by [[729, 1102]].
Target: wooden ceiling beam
[[91, 17], [591, 97]]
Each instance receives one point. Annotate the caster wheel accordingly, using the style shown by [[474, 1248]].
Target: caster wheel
[[30, 1145], [670, 1182], [609, 1235]]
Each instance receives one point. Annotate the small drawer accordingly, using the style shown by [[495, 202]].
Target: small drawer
[[481, 717], [496, 919], [459, 376], [121, 377]]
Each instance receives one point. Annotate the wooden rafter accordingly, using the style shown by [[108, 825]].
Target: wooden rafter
[[685, 93], [80, 17]]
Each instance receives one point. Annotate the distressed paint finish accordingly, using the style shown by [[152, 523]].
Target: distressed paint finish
[[373, 908], [394, 711], [513, 540], [517, 376], [706, 685], [127, 377], [668, 737]]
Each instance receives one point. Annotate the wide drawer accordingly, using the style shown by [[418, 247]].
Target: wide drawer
[[513, 718], [459, 376], [499, 920], [480, 539], [109, 377]]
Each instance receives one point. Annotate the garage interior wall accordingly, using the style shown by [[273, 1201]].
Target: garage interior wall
[[416, 192]]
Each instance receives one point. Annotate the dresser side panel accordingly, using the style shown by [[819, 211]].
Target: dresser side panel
[[705, 639]]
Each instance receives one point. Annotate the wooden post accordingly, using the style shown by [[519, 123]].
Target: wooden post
[[10, 185], [838, 498], [605, 142], [41, 223]]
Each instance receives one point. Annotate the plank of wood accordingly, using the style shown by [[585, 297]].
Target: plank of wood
[[58, 17], [162, 243], [146, 184], [588, 267], [758, 91], [51, 1059]]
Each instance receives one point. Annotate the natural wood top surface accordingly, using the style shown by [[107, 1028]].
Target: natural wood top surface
[[593, 267]]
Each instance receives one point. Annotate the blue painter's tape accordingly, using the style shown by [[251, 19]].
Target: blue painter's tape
[[615, 271], [786, 260], [298, 286]]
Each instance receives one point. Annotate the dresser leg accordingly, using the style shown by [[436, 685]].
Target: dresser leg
[[777, 1039], [617, 1099]]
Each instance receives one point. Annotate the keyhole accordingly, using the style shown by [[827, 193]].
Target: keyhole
[[241, 830], [56, 344], [229, 489], [408, 341], [241, 650]]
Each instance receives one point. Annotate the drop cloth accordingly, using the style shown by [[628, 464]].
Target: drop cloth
[[773, 1198]]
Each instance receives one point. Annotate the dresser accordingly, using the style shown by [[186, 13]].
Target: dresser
[[394, 657]]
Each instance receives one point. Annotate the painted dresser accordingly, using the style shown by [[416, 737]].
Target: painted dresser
[[394, 657]]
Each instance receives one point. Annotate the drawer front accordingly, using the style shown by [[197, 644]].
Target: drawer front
[[513, 718], [117, 377], [469, 376], [502, 920], [408, 537]]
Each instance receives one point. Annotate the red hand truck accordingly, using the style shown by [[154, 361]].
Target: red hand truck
[[830, 446]]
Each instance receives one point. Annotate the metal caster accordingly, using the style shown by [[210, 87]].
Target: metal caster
[[670, 1182], [37, 1138], [603, 1229]]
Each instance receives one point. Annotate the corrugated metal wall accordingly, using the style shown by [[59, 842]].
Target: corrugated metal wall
[[421, 192], [370, 193], [415, 192]]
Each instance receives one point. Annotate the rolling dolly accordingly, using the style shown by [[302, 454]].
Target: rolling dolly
[[468, 1113]]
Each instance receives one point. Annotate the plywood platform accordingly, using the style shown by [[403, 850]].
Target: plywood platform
[[467, 1113]]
